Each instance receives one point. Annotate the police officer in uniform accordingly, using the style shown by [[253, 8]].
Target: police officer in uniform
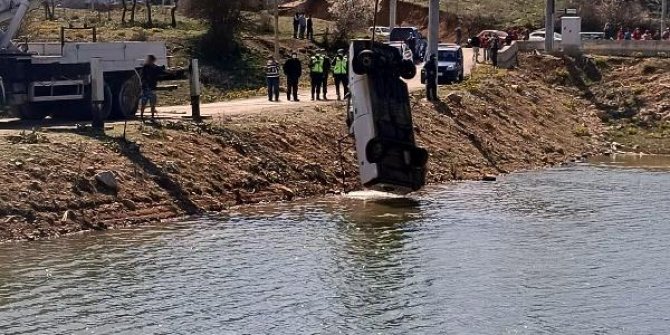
[[431, 78], [327, 67], [340, 71], [272, 75], [316, 74]]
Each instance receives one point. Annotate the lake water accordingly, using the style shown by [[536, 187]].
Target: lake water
[[575, 250]]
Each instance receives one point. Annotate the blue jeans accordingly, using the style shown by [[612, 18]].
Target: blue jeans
[[273, 88]]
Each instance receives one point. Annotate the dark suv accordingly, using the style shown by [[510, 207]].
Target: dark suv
[[413, 38], [449, 64]]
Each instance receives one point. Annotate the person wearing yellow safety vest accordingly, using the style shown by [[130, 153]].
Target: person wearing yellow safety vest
[[341, 73], [327, 67], [316, 74]]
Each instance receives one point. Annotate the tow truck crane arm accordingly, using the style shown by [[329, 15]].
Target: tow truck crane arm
[[13, 11]]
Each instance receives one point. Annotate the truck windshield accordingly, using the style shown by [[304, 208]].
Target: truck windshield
[[448, 56], [401, 34]]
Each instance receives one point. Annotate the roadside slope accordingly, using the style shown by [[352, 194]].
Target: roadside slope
[[498, 122]]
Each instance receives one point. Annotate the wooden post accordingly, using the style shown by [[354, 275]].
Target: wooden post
[[664, 15], [393, 13], [434, 32], [195, 90], [97, 93]]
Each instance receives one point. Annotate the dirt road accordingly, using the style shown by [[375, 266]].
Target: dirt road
[[262, 105]]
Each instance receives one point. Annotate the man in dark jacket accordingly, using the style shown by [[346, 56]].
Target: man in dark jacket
[[310, 28], [296, 24], [293, 71], [431, 78], [495, 46], [150, 74]]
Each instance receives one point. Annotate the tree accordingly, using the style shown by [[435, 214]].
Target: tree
[[150, 22], [173, 12], [351, 15], [225, 21], [132, 12], [124, 6]]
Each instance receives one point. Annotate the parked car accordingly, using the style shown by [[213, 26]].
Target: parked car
[[413, 38], [540, 35], [500, 33], [449, 64], [593, 35], [405, 51], [380, 31]]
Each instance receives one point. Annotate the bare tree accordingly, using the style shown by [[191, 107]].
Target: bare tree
[[351, 15], [150, 22], [124, 4], [132, 12], [173, 12]]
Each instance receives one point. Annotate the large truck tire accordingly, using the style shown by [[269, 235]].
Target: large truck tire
[[30, 112], [126, 98], [83, 110], [364, 62]]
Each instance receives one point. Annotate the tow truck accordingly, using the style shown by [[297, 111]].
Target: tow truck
[[380, 119], [38, 79]]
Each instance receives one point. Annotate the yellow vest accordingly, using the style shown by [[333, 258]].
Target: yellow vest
[[317, 64], [341, 65]]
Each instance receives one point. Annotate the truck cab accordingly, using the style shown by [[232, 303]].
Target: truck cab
[[380, 119], [413, 38]]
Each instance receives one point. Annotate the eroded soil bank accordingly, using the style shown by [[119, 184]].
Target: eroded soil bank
[[497, 122]]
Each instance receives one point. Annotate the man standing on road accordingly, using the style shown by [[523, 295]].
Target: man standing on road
[[293, 71], [495, 46], [272, 74], [475, 43], [340, 67], [431, 78], [327, 67], [310, 28], [459, 35], [150, 74], [303, 26], [296, 24], [316, 74]]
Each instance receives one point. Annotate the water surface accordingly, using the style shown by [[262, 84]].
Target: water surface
[[575, 250]]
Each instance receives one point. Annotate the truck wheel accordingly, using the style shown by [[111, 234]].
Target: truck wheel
[[419, 157], [29, 112], [364, 62], [407, 69], [127, 98], [83, 109]]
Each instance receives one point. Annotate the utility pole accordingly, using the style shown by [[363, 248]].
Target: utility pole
[[393, 13], [434, 32], [664, 15], [276, 29], [549, 26]]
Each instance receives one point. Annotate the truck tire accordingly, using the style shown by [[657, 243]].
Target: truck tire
[[126, 98], [364, 62], [29, 112], [375, 151], [83, 109]]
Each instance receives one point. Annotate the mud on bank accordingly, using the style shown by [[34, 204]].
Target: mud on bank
[[53, 183]]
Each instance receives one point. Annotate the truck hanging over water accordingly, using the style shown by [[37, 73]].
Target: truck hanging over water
[[41, 79], [380, 118]]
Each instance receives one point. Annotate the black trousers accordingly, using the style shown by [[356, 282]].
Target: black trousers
[[292, 88], [324, 85], [494, 57], [341, 79], [273, 88], [317, 81], [431, 89]]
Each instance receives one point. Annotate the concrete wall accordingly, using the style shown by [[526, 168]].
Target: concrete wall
[[507, 56], [611, 48]]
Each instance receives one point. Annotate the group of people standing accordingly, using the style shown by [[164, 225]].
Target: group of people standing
[[636, 34], [303, 26], [490, 43], [320, 67]]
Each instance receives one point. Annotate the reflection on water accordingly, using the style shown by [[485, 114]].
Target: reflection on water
[[579, 250], [657, 162]]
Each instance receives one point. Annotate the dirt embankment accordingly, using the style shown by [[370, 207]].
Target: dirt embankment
[[60, 183], [631, 95]]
